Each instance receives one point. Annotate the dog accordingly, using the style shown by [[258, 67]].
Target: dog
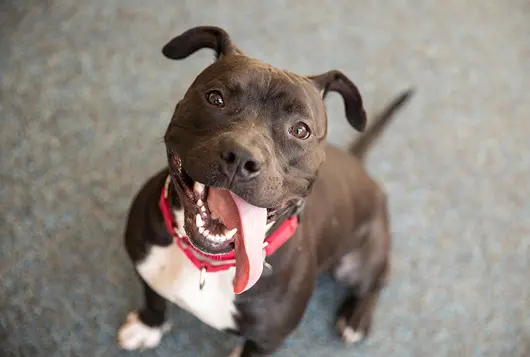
[[254, 204]]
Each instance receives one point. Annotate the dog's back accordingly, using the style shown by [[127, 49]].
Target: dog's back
[[343, 180], [349, 209], [360, 147]]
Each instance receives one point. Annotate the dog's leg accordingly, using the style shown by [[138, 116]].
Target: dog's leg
[[355, 316], [365, 271], [145, 328]]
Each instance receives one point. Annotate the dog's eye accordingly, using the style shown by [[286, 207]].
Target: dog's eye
[[215, 98], [300, 130]]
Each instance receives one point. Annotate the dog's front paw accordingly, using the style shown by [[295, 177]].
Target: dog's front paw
[[134, 334], [348, 334]]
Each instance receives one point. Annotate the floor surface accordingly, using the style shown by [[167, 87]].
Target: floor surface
[[85, 97]]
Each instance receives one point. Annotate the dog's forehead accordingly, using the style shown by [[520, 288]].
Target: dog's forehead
[[266, 83], [245, 73]]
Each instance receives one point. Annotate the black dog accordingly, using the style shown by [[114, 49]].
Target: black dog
[[254, 204]]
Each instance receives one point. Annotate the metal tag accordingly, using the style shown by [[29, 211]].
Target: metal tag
[[202, 278]]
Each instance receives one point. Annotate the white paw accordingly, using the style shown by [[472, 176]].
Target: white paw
[[348, 334], [236, 352], [134, 334]]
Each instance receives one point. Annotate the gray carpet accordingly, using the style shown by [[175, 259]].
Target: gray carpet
[[85, 99]]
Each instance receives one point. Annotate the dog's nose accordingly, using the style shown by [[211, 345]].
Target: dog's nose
[[240, 162]]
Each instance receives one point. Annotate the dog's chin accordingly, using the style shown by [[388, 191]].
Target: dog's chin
[[205, 231]]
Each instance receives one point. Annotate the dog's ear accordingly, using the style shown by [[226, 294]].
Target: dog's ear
[[336, 81], [197, 38]]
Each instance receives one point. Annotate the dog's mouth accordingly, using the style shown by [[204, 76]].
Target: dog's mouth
[[217, 221]]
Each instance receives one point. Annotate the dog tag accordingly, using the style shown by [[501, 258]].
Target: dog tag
[[202, 278], [267, 269]]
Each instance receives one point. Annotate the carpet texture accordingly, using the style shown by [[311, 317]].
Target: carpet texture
[[85, 98]]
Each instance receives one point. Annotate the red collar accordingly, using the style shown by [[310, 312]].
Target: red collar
[[213, 263]]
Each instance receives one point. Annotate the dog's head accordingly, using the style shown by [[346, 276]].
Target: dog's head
[[246, 141]]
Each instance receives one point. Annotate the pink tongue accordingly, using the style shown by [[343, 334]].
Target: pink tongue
[[250, 222]]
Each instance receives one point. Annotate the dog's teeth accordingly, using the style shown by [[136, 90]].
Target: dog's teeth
[[203, 209], [206, 233], [198, 188], [199, 203], [198, 220], [230, 233], [219, 238], [201, 230]]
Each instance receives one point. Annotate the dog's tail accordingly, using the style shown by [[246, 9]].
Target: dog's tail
[[360, 147]]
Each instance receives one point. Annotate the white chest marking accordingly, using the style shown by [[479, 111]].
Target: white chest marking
[[169, 272]]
